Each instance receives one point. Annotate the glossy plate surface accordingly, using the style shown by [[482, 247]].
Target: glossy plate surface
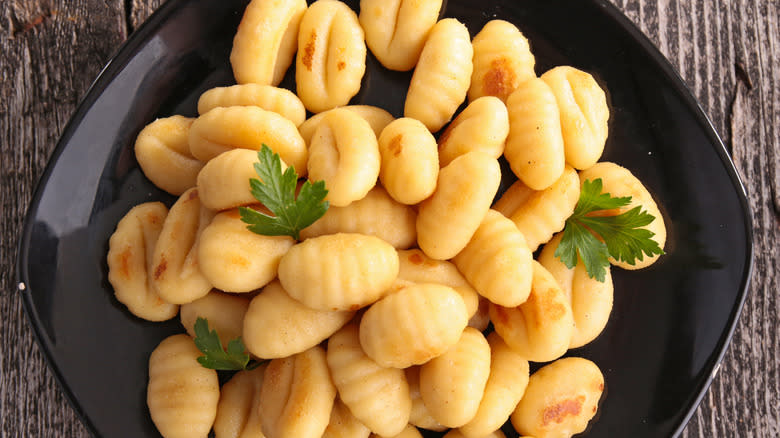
[[670, 323]]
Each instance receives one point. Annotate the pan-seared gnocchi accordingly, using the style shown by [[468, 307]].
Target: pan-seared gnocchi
[[279, 100], [591, 300], [560, 400], [297, 396], [275, 325], [182, 395], [452, 384], [266, 41], [224, 181], [343, 424], [176, 273], [375, 116], [344, 153], [483, 126], [343, 271], [237, 412], [224, 312], [331, 57], [396, 30], [420, 416], [584, 114], [497, 261], [441, 78], [234, 259], [413, 325], [163, 152], [502, 61], [375, 215], [619, 181], [378, 396], [410, 162], [541, 328], [130, 267], [449, 218], [504, 389], [247, 127], [534, 148]]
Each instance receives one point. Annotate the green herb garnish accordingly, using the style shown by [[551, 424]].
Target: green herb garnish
[[276, 190], [597, 238], [216, 357]]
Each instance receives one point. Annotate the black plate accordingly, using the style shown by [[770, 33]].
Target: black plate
[[670, 323]]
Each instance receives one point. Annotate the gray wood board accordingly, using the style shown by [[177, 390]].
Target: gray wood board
[[727, 51]]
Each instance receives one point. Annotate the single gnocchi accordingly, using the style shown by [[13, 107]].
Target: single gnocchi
[[497, 261], [584, 114], [130, 267], [234, 259], [331, 57], [413, 325], [224, 312], [449, 218], [163, 152], [483, 126], [224, 181], [376, 117], [238, 413], [266, 41], [410, 161], [420, 416], [339, 271], [396, 30], [375, 215], [182, 395], [502, 61], [279, 100], [378, 396], [452, 384], [343, 424], [275, 325], [441, 78], [560, 400]]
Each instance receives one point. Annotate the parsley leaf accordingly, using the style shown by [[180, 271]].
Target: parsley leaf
[[276, 190], [216, 357], [596, 238]]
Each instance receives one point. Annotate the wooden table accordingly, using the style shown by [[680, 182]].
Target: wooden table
[[728, 51]]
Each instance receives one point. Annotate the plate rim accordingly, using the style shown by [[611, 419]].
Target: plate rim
[[129, 47]]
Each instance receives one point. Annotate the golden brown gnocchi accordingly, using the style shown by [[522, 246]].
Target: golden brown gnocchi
[[130, 267], [441, 78], [224, 181], [343, 424], [375, 116], [331, 57], [224, 312], [237, 412], [410, 162], [502, 61], [279, 100], [266, 40], [483, 126], [420, 416], [163, 152]]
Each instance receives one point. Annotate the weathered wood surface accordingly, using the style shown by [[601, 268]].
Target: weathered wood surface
[[728, 51]]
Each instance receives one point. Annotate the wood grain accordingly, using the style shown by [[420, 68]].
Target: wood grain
[[728, 51]]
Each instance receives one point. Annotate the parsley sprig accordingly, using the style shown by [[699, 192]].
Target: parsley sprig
[[596, 238], [276, 190], [215, 356]]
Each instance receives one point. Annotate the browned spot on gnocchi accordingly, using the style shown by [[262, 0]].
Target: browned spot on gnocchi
[[559, 411], [416, 258], [341, 65], [125, 262], [499, 80], [308, 51], [396, 146], [160, 269]]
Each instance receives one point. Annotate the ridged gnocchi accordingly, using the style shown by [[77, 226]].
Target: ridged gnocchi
[[413, 325], [420, 416], [441, 78], [182, 395], [343, 424], [502, 61], [396, 30], [344, 153], [247, 127], [331, 56], [378, 396], [584, 114], [163, 152], [130, 266], [497, 261], [452, 384], [343, 271], [534, 147], [483, 126], [375, 215], [224, 181], [177, 276], [541, 328], [376, 117], [449, 218], [297, 396], [560, 400], [237, 412], [275, 325], [410, 161], [224, 312], [266, 41], [279, 100]]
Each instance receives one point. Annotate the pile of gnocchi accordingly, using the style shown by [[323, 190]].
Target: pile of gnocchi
[[415, 302]]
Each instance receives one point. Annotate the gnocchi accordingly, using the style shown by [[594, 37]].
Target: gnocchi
[[224, 312], [410, 162], [419, 416], [163, 152], [376, 117], [343, 424], [483, 126], [224, 181], [279, 100], [238, 414]]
